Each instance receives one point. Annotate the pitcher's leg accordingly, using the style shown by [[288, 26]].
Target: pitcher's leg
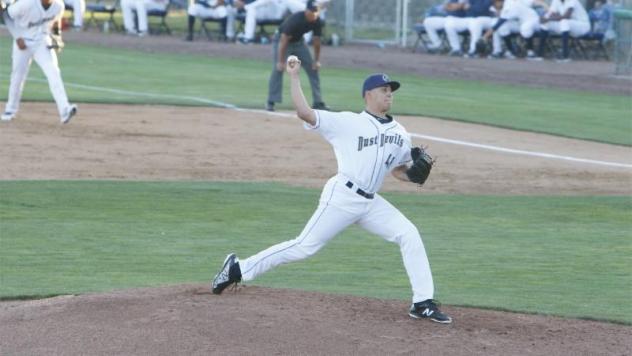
[[21, 62], [386, 221], [47, 60], [326, 223]]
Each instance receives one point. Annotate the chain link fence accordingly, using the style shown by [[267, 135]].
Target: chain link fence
[[375, 21]]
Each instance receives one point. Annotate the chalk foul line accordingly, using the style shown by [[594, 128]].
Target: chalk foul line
[[521, 152]]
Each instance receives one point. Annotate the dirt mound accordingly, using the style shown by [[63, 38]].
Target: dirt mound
[[188, 320]]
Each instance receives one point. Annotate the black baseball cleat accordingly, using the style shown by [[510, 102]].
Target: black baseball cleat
[[229, 274], [321, 106], [428, 309], [270, 106]]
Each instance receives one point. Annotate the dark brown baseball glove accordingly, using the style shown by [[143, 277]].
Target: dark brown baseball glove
[[422, 164]]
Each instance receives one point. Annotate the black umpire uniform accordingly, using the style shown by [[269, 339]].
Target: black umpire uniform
[[288, 40]]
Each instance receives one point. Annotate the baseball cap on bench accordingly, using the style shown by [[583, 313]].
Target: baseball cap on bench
[[378, 80]]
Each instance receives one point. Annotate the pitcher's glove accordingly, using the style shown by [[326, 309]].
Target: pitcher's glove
[[56, 43], [422, 164]]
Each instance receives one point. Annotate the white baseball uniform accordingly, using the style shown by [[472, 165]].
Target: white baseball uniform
[[526, 18], [454, 23], [577, 25], [433, 25], [141, 7], [78, 10], [212, 10], [27, 19], [268, 10], [367, 149]]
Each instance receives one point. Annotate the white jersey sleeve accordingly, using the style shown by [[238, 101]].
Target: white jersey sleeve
[[18, 9], [327, 123]]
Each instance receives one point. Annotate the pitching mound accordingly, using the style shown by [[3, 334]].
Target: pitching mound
[[190, 320]]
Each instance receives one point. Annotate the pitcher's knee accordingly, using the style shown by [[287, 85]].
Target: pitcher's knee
[[409, 236], [304, 250]]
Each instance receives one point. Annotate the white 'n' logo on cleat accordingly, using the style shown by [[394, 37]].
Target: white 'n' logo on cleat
[[427, 312]]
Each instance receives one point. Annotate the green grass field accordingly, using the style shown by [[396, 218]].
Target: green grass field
[[567, 256], [101, 75]]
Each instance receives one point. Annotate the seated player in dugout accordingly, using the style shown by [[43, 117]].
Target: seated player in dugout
[[289, 41]]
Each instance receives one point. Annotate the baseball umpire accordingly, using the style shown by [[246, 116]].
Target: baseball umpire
[[289, 41], [368, 146]]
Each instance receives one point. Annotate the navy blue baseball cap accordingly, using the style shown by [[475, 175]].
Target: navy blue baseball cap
[[378, 80], [311, 6]]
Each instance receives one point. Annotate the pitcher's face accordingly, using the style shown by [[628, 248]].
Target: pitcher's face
[[380, 98]]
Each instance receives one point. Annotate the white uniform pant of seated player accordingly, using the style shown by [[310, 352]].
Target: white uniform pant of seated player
[[78, 9], [219, 12], [574, 27], [261, 10], [474, 25], [433, 25], [47, 60], [525, 28], [339, 207], [141, 7]]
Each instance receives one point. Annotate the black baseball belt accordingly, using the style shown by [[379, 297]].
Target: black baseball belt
[[360, 191]]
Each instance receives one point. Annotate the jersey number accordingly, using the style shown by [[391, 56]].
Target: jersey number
[[389, 160]]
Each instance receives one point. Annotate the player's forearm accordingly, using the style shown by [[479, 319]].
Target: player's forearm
[[283, 41], [400, 173], [316, 42], [303, 110]]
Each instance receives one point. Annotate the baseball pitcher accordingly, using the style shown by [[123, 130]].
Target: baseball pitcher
[[368, 146]]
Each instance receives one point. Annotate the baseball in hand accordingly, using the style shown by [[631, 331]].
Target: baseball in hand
[[292, 60]]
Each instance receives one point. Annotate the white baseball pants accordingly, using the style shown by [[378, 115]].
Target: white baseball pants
[[454, 25], [141, 7], [219, 12], [268, 10], [574, 27], [526, 28], [433, 25], [78, 10], [476, 26], [340, 207], [47, 60]]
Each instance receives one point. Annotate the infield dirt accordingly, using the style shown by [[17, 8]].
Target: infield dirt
[[179, 143]]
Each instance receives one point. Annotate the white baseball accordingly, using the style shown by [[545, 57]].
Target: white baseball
[[291, 60]]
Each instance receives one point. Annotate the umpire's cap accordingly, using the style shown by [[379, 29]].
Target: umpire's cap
[[311, 6], [378, 80]]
